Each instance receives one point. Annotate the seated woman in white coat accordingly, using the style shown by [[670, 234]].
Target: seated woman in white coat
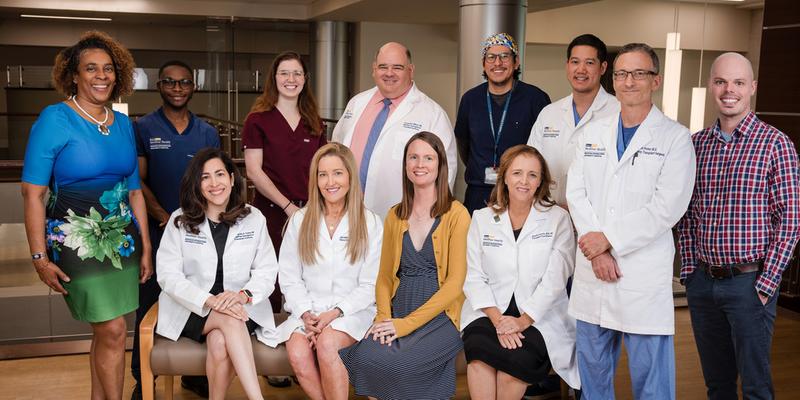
[[328, 265], [216, 267], [520, 253]]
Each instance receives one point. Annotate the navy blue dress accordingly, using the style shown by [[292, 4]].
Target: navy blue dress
[[417, 366]]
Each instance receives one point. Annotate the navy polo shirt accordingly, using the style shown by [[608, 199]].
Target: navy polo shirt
[[474, 136], [168, 153]]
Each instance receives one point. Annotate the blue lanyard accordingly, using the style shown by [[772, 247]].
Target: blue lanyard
[[496, 135]]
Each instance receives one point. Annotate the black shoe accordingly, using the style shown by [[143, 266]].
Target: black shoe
[[137, 392], [548, 388], [279, 381], [196, 384]]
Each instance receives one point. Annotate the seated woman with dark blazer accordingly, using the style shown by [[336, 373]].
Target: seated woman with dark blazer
[[328, 264], [216, 267], [520, 253], [410, 350]]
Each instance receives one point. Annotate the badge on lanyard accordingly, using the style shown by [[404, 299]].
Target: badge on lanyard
[[490, 175]]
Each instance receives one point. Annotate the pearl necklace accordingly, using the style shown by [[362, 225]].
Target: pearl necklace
[[101, 126]]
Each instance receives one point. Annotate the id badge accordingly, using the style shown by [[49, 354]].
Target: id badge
[[490, 175]]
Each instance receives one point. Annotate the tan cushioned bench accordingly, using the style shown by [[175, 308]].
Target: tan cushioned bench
[[166, 358]]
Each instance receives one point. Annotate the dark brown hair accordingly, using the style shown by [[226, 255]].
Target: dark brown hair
[[306, 103], [193, 204], [498, 200], [67, 61], [444, 197]]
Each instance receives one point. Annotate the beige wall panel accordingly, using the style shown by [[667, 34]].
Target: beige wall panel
[[622, 21]]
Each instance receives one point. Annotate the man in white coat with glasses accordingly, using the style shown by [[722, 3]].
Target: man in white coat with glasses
[[630, 182]]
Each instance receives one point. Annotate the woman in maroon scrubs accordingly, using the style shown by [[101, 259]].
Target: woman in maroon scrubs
[[281, 135]]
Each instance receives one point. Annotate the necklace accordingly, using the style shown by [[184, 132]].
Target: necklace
[[101, 126], [213, 224], [332, 224]]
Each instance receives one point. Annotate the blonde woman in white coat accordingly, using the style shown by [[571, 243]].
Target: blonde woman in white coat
[[520, 253], [328, 266], [216, 266]]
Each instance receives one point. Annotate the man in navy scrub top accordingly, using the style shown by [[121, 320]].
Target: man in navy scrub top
[[166, 140]]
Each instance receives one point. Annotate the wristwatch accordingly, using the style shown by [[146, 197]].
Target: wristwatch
[[247, 293]]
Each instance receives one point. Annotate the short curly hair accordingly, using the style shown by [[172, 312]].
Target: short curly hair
[[67, 61]]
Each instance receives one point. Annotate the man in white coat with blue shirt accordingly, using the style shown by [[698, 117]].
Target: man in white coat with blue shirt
[[559, 126], [377, 123], [630, 182]]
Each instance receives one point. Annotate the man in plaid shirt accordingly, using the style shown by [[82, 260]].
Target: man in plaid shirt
[[738, 235]]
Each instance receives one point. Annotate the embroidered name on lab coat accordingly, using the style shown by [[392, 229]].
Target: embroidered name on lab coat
[[347, 114], [541, 235], [343, 238], [412, 125], [650, 151], [244, 235], [550, 132], [195, 239], [491, 241], [593, 150]]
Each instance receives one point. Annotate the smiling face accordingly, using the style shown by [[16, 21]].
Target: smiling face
[[178, 96], [392, 70], [732, 85], [500, 72], [422, 164], [95, 77], [216, 184], [333, 180], [290, 78], [584, 69], [632, 92], [522, 179]]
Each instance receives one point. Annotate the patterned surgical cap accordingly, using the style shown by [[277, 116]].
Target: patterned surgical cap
[[500, 39]]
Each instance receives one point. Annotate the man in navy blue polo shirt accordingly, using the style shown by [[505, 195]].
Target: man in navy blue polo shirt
[[494, 116], [166, 140]]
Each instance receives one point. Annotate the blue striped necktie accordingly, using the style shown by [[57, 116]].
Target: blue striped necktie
[[374, 132]]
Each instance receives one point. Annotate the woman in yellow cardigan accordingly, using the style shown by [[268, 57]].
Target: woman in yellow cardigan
[[409, 352]]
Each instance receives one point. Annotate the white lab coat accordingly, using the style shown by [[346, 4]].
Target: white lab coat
[[555, 135], [635, 202], [416, 113], [187, 267], [332, 281], [534, 269]]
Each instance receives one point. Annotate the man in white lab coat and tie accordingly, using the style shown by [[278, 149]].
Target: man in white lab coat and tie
[[377, 123]]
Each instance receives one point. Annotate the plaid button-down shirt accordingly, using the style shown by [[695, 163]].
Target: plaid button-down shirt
[[745, 205]]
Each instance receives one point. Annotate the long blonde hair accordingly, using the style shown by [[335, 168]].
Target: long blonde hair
[[308, 245]]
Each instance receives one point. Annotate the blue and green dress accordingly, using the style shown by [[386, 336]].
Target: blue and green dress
[[91, 231]]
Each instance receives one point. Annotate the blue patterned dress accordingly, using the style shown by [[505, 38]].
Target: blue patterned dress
[[422, 364], [91, 232]]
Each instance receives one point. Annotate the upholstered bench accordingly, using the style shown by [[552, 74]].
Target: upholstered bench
[[166, 359]]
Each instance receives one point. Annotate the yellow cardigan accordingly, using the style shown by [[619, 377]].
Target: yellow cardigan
[[450, 250]]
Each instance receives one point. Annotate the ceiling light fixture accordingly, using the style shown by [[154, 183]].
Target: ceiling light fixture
[[103, 19]]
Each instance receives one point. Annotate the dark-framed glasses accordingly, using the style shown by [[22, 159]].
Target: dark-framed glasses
[[637, 74], [491, 57], [170, 83]]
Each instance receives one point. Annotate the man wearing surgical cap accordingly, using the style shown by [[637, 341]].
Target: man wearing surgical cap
[[494, 116]]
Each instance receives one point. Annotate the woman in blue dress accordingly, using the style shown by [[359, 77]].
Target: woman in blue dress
[[410, 350], [89, 242]]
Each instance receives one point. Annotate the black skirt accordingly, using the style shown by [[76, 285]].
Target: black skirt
[[195, 325], [530, 363]]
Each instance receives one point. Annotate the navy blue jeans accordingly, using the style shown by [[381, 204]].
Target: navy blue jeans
[[733, 333]]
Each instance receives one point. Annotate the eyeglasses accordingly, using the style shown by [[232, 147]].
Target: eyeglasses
[[170, 83], [286, 74], [491, 57], [638, 74]]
